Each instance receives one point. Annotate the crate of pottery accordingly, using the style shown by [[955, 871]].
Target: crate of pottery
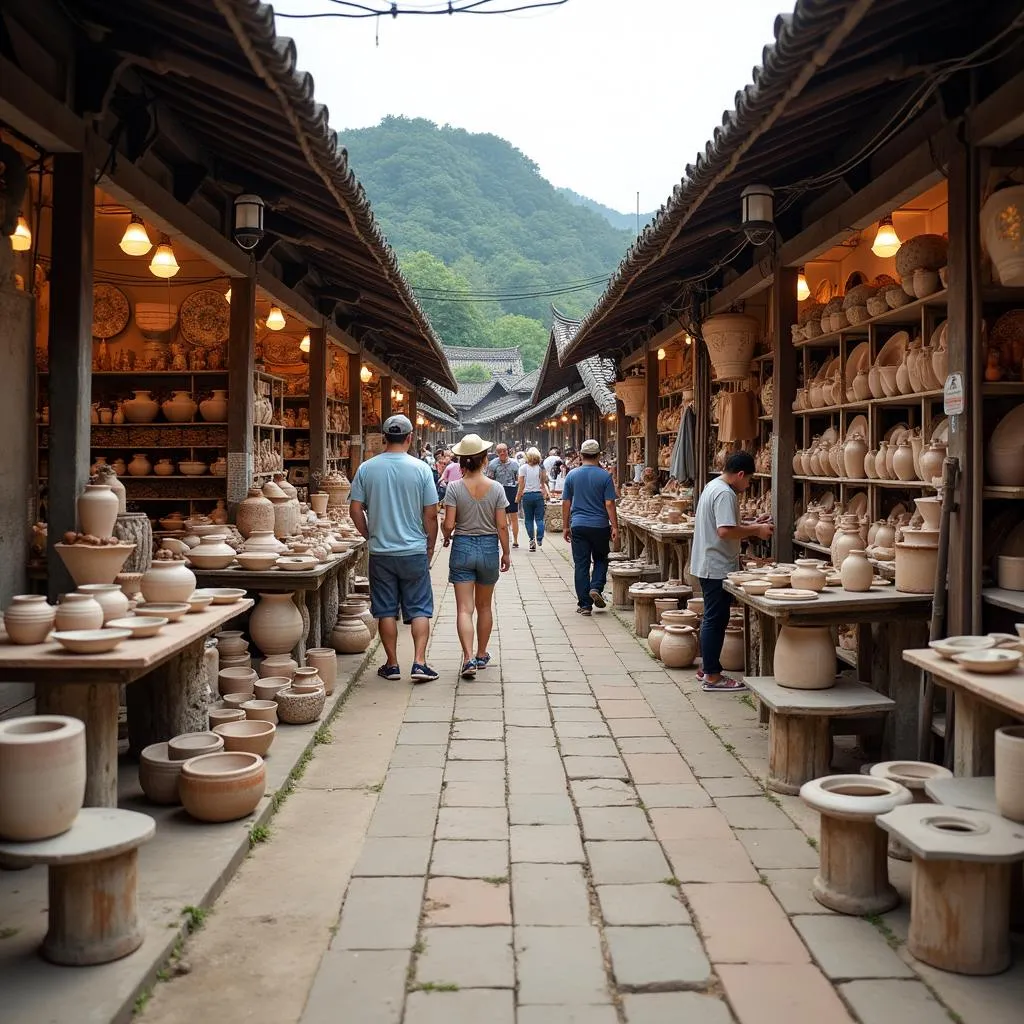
[[204, 437], [141, 488]]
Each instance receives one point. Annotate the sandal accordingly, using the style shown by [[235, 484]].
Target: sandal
[[725, 684], [469, 669]]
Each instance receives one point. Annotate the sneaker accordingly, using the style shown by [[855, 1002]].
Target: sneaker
[[540, 542], [391, 672], [515, 543], [533, 545], [469, 669], [598, 598], [726, 684], [583, 611], [422, 673], [484, 661]]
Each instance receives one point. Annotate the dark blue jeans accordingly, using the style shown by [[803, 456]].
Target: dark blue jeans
[[532, 504], [590, 543], [717, 601]]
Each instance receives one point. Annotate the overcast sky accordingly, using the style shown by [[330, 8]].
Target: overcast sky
[[607, 97]]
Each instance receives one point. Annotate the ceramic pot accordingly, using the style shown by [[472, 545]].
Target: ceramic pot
[[881, 463], [679, 647], [632, 392], [1001, 217], [856, 573], [271, 686], [904, 384], [213, 552], [930, 510], [307, 680], [223, 786], [110, 597], [276, 624], [932, 460], [140, 465], [261, 709], [875, 382], [159, 775], [97, 510], [869, 464], [325, 661], [318, 502], [28, 619], [215, 408], [926, 282], [826, 529], [733, 655], [193, 744], [236, 679], [360, 605], [885, 535], [1009, 757], [861, 386], [853, 456], [807, 575], [805, 658], [78, 611], [917, 446], [915, 569], [278, 666], [730, 339], [255, 514], [263, 540], [168, 582], [680, 617], [141, 408], [179, 408], [108, 475], [230, 641], [218, 716], [252, 737], [300, 708], [350, 635], [164, 467], [890, 455], [42, 776], [654, 638], [903, 462]]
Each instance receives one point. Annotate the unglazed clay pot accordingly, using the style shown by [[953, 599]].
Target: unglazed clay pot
[[110, 597], [915, 568], [1010, 772], [350, 635], [807, 575], [97, 510], [856, 572], [885, 535], [853, 456], [140, 465], [826, 529], [168, 582], [903, 462], [276, 666], [236, 680], [654, 638], [360, 605], [42, 776], [733, 655], [846, 540], [263, 540], [269, 687], [28, 619], [193, 744], [223, 786], [931, 510], [179, 408], [325, 661], [931, 461], [805, 658], [230, 642], [78, 611], [318, 502], [141, 408], [255, 513], [300, 708], [212, 552], [159, 774], [679, 647], [276, 624], [307, 680], [215, 408]]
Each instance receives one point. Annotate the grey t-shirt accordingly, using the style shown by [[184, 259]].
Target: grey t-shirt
[[475, 518], [713, 557]]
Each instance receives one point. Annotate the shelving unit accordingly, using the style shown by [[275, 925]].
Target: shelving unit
[[271, 389]]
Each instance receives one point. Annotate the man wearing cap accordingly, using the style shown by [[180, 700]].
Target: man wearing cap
[[591, 525], [506, 472], [394, 506]]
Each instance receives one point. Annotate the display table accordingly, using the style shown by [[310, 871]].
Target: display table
[[168, 698], [982, 704], [898, 621], [662, 544]]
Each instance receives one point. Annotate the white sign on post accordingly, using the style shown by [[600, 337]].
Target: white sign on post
[[954, 400]]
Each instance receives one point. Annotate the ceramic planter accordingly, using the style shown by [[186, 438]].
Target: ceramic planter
[[632, 392], [168, 582], [179, 408], [249, 737], [1009, 757], [805, 658], [350, 635], [223, 786], [730, 339], [193, 744], [90, 563], [915, 569], [255, 513], [79, 611], [679, 647], [276, 624], [97, 510], [1001, 220], [318, 502], [42, 776], [141, 408], [261, 710], [856, 572], [325, 661], [28, 619], [236, 679], [215, 408], [278, 666], [300, 708]]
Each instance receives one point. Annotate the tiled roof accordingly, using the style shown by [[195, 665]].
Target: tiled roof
[[469, 395], [595, 373], [574, 399], [528, 382], [537, 410], [435, 396], [436, 414], [501, 409], [508, 362]]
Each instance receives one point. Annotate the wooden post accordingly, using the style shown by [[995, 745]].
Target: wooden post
[[702, 410], [70, 380], [621, 443], [651, 411], [355, 412], [386, 384], [241, 364], [783, 420], [412, 407], [318, 346]]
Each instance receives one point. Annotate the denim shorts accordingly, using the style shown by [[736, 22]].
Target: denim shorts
[[401, 582], [474, 560]]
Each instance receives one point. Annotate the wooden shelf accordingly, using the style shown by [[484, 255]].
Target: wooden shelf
[[169, 476], [162, 423], [1013, 600], [904, 315], [1009, 493], [853, 481], [150, 373], [897, 400], [819, 548], [1003, 388]]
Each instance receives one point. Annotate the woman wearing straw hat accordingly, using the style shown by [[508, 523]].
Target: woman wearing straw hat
[[474, 514]]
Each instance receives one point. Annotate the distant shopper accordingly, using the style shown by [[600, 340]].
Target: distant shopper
[[394, 506], [715, 550], [554, 455], [590, 524], [531, 495], [506, 472], [476, 524]]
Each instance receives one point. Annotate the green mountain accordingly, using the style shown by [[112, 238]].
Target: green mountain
[[487, 243], [622, 221]]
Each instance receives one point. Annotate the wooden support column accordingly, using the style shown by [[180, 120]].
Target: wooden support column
[[241, 364], [702, 409], [386, 384], [70, 380], [411, 405], [318, 346], [621, 443], [651, 411], [784, 313], [355, 412]]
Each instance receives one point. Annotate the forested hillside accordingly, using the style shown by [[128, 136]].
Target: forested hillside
[[624, 221], [487, 243]]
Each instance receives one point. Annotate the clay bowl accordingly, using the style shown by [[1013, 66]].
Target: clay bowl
[[236, 661], [90, 563], [140, 626], [198, 601], [696, 605], [756, 588], [218, 716], [270, 686], [300, 708], [236, 700], [223, 786], [257, 561], [158, 775], [236, 680], [229, 641], [260, 710], [225, 595], [172, 612], [193, 744], [249, 737], [201, 561], [989, 662], [776, 580], [90, 641], [950, 646], [296, 563]]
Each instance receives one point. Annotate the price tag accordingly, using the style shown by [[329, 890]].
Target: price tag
[[954, 400]]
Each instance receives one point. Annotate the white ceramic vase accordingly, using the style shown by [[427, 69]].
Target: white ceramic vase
[[169, 581], [97, 510], [28, 619]]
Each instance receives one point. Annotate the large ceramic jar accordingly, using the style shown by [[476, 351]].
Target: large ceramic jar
[[141, 408], [140, 465], [179, 408], [222, 786], [730, 339], [325, 661], [215, 408], [254, 513], [903, 462], [168, 581], [28, 619], [42, 776], [110, 597], [360, 605], [805, 658], [733, 656], [915, 568], [1001, 220], [853, 456], [350, 635], [856, 572], [263, 540], [846, 540], [826, 529], [338, 489], [276, 624], [807, 575], [679, 647], [108, 475], [1010, 772], [931, 461], [885, 535], [79, 611], [654, 638], [97, 510]]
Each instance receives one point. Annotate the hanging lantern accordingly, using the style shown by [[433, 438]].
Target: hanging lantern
[[758, 213], [163, 264], [21, 240], [248, 226], [275, 319], [661, 354], [887, 242], [366, 374], [803, 289], [135, 241], [304, 344]]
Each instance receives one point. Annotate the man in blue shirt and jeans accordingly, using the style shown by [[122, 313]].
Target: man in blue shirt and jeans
[[394, 506], [590, 524]]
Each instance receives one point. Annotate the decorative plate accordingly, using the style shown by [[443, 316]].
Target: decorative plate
[[891, 353], [1008, 332], [205, 318], [110, 311], [786, 594], [823, 291], [858, 504], [853, 281], [858, 359], [941, 430], [858, 425], [281, 350], [830, 435]]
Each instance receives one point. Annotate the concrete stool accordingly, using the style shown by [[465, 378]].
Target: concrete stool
[[644, 596], [960, 885], [913, 775], [624, 575], [853, 874], [93, 914]]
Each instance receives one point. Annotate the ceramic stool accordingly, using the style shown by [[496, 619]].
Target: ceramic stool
[[960, 885], [913, 775], [853, 874], [93, 868], [624, 575]]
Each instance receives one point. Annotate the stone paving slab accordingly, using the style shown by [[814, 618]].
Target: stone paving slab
[[675, 1008], [666, 957], [781, 994], [849, 947], [359, 987], [644, 904], [552, 844], [467, 901], [492, 1005], [550, 894], [560, 966], [467, 957], [567, 1015], [881, 1002]]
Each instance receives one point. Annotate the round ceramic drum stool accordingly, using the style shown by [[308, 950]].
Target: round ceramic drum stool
[[93, 913], [853, 873], [913, 775], [624, 575], [960, 885]]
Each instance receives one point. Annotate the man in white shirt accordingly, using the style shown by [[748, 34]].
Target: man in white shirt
[[554, 455]]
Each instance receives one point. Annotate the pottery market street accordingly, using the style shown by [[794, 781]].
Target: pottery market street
[[578, 836]]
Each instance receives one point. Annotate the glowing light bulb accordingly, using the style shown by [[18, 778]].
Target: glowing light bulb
[[304, 344], [887, 242], [135, 241], [21, 240], [366, 375], [803, 289], [227, 294], [163, 264], [275, 319], [661, 354]]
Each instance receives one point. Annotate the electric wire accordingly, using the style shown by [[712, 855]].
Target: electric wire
[[358, 11]]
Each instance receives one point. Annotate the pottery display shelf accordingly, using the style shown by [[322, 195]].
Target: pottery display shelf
[[663, 544], [983, 703], [167, 674]]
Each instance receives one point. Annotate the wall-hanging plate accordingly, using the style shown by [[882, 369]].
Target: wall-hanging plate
[[110, 311], [205, 318], [858, 425], [823, 291]]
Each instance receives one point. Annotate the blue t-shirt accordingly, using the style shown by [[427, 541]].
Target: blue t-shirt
[[395, 488], [588, 488]]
